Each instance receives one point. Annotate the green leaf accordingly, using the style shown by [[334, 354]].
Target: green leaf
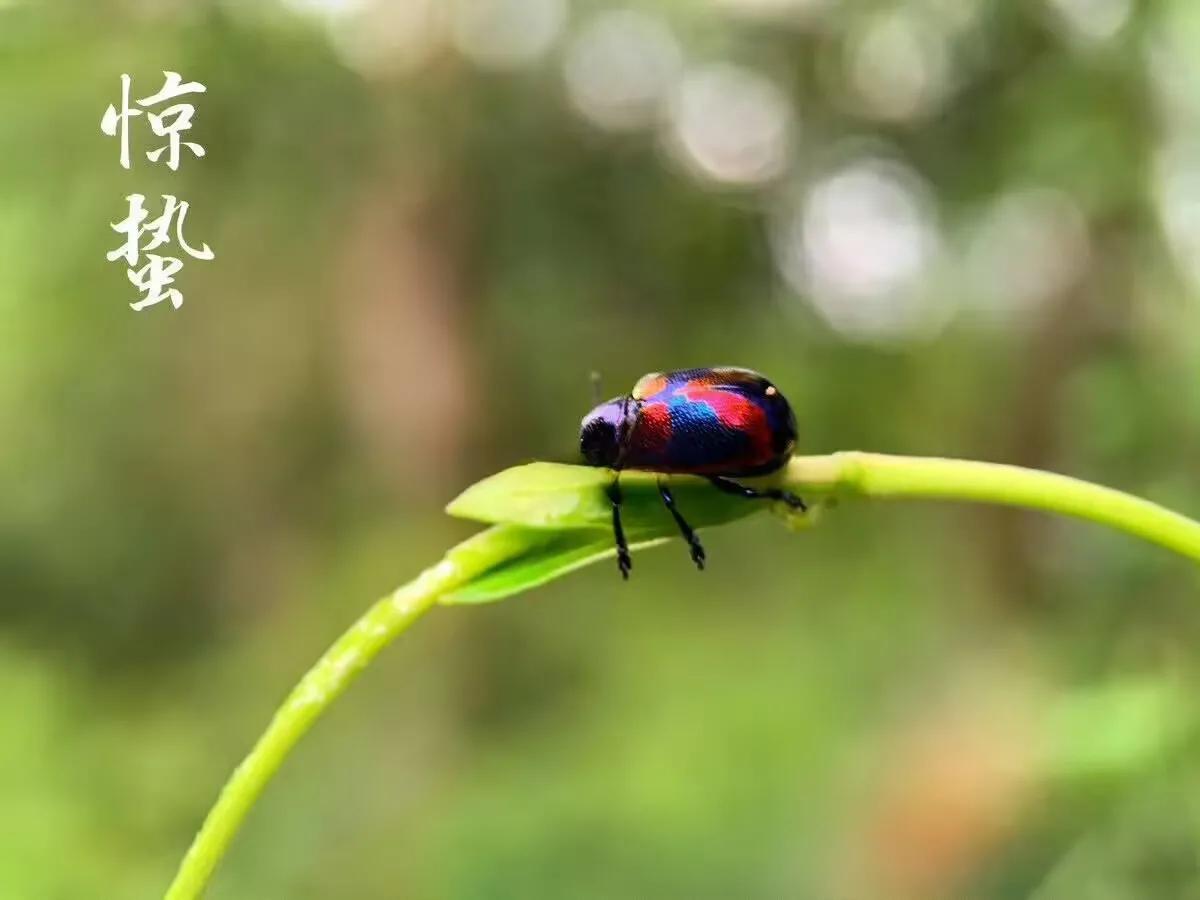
[[556, 496], [546, 555], [555, 518]]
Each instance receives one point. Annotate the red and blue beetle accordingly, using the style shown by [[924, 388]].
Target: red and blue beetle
[[720, 423]]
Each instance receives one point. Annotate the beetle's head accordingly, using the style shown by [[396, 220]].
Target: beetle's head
[[599, 433]]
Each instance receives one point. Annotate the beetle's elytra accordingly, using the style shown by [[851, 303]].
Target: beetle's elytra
[[722, 423]]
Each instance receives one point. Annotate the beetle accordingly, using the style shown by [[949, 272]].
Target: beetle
[[722, 423]]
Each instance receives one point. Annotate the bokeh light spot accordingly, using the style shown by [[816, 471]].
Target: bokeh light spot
[[860, 245], [795, 12], [1177, 195], [897, 66], [1029, 247], [507, 34], [386, 38], [1090, 21], [731, 125], [620, 69]]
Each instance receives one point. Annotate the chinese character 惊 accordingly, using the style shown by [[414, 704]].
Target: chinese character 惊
[[169, 123]]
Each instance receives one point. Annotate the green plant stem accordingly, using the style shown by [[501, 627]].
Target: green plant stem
[[323, 684], [875, 475], [847, 474]]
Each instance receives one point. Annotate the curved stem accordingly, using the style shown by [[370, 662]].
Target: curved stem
[[323, 684], [844, 474], [881, 476]]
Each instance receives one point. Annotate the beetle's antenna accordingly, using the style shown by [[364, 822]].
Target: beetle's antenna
[[595, 379]]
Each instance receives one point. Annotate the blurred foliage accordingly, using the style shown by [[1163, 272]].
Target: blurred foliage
[[420, 255]]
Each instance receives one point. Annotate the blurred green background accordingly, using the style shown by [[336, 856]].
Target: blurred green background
[[956, 227]]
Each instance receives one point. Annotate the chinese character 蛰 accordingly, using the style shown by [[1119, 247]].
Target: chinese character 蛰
[[155, 278]]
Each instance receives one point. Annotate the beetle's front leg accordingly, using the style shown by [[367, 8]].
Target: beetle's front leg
[[624, 560]]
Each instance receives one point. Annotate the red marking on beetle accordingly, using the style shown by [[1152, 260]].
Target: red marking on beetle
[[734, 410], [654, 427]]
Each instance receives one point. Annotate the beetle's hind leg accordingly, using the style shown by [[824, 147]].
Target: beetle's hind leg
[[729, 486], [624, 560], [685, 529]]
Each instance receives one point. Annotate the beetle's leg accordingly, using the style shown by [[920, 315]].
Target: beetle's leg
[[624, 560], [684, 528], [729, 486]]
